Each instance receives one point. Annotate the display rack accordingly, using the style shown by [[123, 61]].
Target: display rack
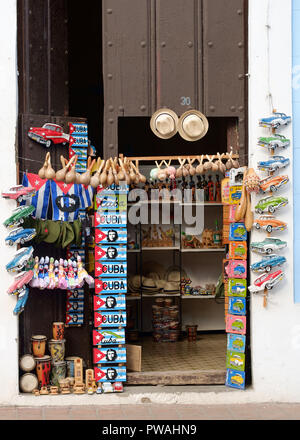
[[177, 251]]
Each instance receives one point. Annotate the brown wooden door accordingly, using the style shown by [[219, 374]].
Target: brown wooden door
[[173, 53], [44, 97]]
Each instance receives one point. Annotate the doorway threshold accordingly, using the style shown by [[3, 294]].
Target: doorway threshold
[[173, 377]]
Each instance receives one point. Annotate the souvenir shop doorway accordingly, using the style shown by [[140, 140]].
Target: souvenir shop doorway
[[75, 86], [175, 301]]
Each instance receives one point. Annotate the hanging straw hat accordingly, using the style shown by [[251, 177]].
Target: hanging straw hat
[[192, 125], [164, 123]]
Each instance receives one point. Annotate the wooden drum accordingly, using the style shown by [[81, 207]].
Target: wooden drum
[[43, 368], [38, 345]]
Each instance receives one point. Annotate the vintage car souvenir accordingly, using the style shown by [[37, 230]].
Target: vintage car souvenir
[[235, 360], [268, 246], [269, 223], [270, 204], [238, 250], [275, 121], [236, 342], [237, 287], [19, 193], [20, 259], [237, 232], [268, 263], [20, 236], [273, 183], [21, 280], [48, 135], [18, 216], [235, 193], [273, 142], [237, 306], [235, 379], [235, 324], [266, 281], [236, 269], [273, 164]]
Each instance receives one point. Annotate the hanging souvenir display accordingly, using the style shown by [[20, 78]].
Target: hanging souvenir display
[[234, 275], [110, 285], [268, 280]]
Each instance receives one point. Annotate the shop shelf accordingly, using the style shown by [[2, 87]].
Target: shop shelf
[[172, 248], [197, 296], [204, 250]]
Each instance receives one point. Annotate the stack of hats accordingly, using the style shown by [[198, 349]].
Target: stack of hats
[[61, 234]]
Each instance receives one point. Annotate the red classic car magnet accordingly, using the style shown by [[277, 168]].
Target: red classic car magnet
[[48, 135]]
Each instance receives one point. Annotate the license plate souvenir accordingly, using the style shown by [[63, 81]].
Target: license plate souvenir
[[106, 220], [110, 286], [111, 202], [74, 253], [121, 188], [236, 342], [111, 252], [112, 374], [117, 269], [78, 141], [236, 324], [110, 319], [78, 128], [81, 153], [109, 337], [111, 235], [75, 295], [235, 379], [237, 287], [75, 306], [237, 306], [74, 318], [235, 360], [80, 166], [109, 354], [109, 302]]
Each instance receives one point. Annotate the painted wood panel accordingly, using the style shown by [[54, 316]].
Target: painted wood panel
[[224, 57], [178, 55]]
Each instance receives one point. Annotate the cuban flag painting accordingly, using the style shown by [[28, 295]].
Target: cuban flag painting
[[68, 199], [41, 198]]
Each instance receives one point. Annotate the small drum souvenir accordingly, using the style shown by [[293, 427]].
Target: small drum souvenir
[[58, 372], [43, 367], [57, 349], [28, 383], [70, 365], [27, 363], [58, 330], [38, 345]]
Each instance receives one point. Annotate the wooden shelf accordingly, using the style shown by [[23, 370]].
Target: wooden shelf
[[172, 248], [204, 250], [197, 296]]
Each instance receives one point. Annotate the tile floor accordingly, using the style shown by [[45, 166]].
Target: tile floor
[[207, 353]]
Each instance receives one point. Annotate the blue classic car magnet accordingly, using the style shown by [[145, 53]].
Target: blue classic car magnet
[[268, 263], [275, 121], [273, 164]]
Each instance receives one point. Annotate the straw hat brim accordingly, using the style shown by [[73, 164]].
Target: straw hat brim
[[155, 115], [184, 134]]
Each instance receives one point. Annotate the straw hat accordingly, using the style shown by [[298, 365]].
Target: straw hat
[[164, 123], [192, 125]]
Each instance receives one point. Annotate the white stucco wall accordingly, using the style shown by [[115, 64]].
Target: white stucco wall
[[275, 338]]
